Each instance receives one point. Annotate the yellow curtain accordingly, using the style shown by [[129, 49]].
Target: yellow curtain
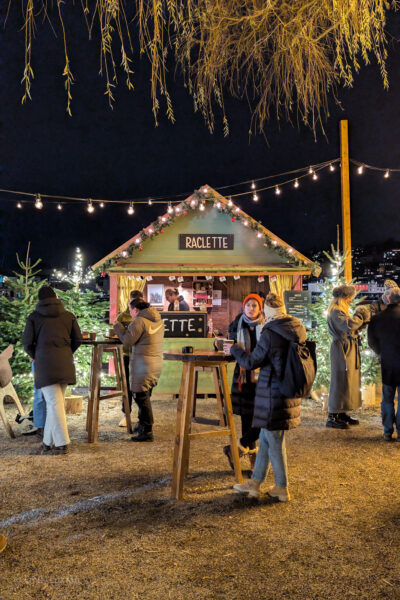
[[278, 284], [126, 284]]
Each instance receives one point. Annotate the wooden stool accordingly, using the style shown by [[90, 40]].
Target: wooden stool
[[92, 420], [209, 361], [10, 392]]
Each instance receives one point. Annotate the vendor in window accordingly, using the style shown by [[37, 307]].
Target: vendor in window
[[176, 302]]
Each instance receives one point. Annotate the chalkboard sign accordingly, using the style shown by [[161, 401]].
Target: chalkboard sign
[[298, 305], [185, 324]]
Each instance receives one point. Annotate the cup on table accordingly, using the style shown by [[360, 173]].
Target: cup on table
[[219, 342], [92, 336], [85, 335]]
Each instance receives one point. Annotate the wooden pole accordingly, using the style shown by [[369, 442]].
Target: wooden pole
[[345, 185]]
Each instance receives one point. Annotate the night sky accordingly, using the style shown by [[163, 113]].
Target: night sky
[[120, 154]]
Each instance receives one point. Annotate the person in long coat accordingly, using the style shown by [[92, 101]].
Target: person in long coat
[[144, 336], [245, 330], [345, 386], [51, 336], [274, 414], [384, 339]]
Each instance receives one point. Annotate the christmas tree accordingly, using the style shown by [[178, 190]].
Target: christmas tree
[[319, 333], [13, 314]]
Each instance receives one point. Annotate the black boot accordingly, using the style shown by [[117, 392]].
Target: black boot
[[143, 435], [348, 419], [334, 422]]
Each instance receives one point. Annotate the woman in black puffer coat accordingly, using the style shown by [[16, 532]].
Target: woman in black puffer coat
[[273, 412], [245, 330]]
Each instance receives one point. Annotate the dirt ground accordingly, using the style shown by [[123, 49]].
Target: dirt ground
[[100, 523]]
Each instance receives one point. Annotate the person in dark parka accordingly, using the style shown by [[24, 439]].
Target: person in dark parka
[[273, 412], [51, 336], [245, 330], [384, 339]]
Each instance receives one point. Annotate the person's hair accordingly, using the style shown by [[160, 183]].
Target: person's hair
[[139, 303], [135, 294], [172, 292], [341, 304], [273, 300]]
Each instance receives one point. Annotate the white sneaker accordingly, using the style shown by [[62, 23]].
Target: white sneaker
[[122, 422], [282, 493], [249, 488]]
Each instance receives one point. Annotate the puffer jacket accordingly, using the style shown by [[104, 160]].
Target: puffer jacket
[[145, 337], [271, 409], [51, 337]]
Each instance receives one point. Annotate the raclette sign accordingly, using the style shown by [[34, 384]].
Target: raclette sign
[[206, 241]]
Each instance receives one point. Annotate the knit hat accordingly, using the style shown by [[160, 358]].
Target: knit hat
[[46, 292], [344, 291], [255, 297]]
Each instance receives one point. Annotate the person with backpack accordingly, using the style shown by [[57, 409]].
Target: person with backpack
[[274, 412], [345, 387]]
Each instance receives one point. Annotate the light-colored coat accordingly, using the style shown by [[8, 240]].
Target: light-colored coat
[[344, 391], [144, 336]]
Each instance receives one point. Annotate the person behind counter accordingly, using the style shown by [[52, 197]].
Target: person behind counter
[[144, 336], [176, 302], [125, 318], [245, 330]]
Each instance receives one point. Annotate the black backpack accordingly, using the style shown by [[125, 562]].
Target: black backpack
[[300, 370]]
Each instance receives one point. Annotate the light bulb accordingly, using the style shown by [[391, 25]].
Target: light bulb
[[218, 204], [296, 183], [253, 185], [331, 167], [59, 206], [245, 223], [131, 209], [163, 219], [278, 190], [205, 190], [137, 241], [315, 176], [230, 203], [19, 205], [255, 197], [150, 202], [101, 204], [237, 209], [90, 207], [170, 209], [193, 203], [386, 175], [177, 209], [360, 170], [259, 234], [202, 206], [38, 202], [310, 171]]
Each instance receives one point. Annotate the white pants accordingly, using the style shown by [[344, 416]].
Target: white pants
[[55, 429]]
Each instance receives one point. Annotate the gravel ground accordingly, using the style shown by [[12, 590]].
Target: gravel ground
[[100, 523]]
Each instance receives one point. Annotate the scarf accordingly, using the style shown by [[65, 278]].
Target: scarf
[[272, 313], [244, 341]]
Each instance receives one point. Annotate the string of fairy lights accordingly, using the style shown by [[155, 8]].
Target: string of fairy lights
[[277, 183]]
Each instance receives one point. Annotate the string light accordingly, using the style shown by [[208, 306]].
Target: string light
[[138, 240], [255, 197], [101, 204], [124, 253], [193, 203], [253, 185], [170, 209], [218, 204], [202, 206], [205, 190], [278, 190], [177, 209], [131, 209], [259, 234], [59, 206], [19, 205], [163, 219], [360, 170], [310, 171], [332, 167], [150, 202], [38, 202], [296, 183], [315, 176], [237, 209], [90, 207], [387, 173], [230, 203]]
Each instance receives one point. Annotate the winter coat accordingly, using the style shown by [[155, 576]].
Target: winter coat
[[271, 409], [145, 337], [125, 318], [384, 339], [344, 391], [50, 338], [183, 305], [242, 401]]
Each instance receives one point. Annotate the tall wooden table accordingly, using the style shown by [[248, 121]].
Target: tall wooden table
[[200, 360], [100, 347]]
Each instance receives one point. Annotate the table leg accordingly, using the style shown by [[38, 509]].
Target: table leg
[[229, 415], [96, 393], [181, 450], [217, 385], [89, 414]]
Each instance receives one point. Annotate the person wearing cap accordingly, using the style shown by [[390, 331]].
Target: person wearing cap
[[125, 319], [380, 305], [345, 387], [51, 336], [245, 330], [384, 339]]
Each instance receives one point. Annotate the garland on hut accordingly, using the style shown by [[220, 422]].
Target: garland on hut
[[197, 201]]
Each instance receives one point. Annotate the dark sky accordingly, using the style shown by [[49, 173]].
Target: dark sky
[[119, 153]]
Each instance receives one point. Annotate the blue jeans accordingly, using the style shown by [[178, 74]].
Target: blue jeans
[[39, 406], [387, 409], [272, 449]]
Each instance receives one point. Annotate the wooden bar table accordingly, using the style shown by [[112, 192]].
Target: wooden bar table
[[100, 347], [206, 360]]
